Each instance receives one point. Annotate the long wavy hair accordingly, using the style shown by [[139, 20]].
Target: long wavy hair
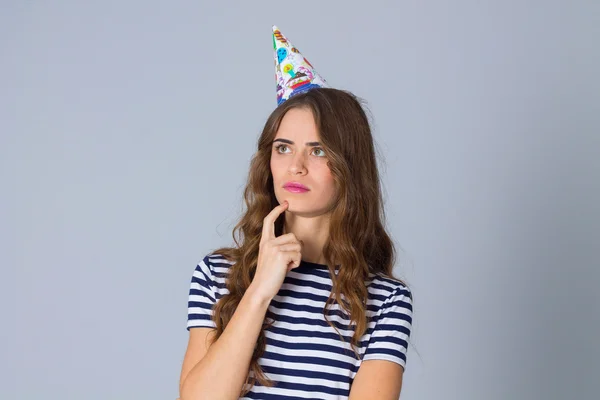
[[358, 240]]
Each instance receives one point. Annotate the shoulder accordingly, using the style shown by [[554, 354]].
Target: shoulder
[[388, 287], [212, 272], [217, 264]]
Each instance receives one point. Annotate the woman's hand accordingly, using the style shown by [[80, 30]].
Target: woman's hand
[[276, 256]]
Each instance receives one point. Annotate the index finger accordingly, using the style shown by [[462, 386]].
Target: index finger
[[268, 230]]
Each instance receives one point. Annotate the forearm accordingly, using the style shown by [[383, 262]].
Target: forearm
[[220, 374]]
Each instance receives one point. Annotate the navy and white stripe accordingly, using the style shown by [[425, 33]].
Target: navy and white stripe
[[304, 355]]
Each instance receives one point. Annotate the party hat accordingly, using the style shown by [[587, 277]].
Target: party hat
[[293, 72]]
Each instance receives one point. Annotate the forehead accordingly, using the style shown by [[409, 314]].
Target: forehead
[[298, 123]]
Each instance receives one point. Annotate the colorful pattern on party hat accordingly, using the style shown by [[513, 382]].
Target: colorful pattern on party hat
[[293, 73]]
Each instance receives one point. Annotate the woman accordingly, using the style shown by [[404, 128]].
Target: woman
[[305, 305]]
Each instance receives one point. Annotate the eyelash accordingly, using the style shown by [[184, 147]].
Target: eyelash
[[284, 145]]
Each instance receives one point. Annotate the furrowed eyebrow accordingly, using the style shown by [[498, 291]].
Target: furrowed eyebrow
[[290, 142]]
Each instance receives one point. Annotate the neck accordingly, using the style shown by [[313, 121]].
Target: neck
[[313, 232]]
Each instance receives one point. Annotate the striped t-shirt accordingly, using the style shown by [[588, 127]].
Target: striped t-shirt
[[304, 355]]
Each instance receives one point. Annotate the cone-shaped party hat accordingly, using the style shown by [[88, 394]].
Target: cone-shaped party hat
[[293, 72]]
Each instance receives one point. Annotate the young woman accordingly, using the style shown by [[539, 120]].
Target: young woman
[[305, 305]]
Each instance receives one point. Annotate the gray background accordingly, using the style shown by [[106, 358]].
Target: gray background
[[126, 132]]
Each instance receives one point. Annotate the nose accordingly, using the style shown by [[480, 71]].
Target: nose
[[297, 164]]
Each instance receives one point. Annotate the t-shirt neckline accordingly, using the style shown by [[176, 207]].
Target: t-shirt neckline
[[309, 264]]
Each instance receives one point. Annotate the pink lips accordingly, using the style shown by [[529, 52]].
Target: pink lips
[[295, 187]]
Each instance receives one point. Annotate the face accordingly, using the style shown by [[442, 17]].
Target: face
[[297, 157]]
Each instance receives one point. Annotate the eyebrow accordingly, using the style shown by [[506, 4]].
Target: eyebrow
[[290, 142]]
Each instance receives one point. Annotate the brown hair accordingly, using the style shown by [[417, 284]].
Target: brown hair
[[345, 136]]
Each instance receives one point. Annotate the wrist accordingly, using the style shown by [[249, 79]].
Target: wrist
[[256, 297]]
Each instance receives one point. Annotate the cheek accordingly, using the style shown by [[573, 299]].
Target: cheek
[[275, 166], [325, 176]]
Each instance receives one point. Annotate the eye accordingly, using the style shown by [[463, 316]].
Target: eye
[[321, 150], [278, 147]]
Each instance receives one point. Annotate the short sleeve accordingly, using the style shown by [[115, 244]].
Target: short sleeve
[[201, 297], [389, 339]]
